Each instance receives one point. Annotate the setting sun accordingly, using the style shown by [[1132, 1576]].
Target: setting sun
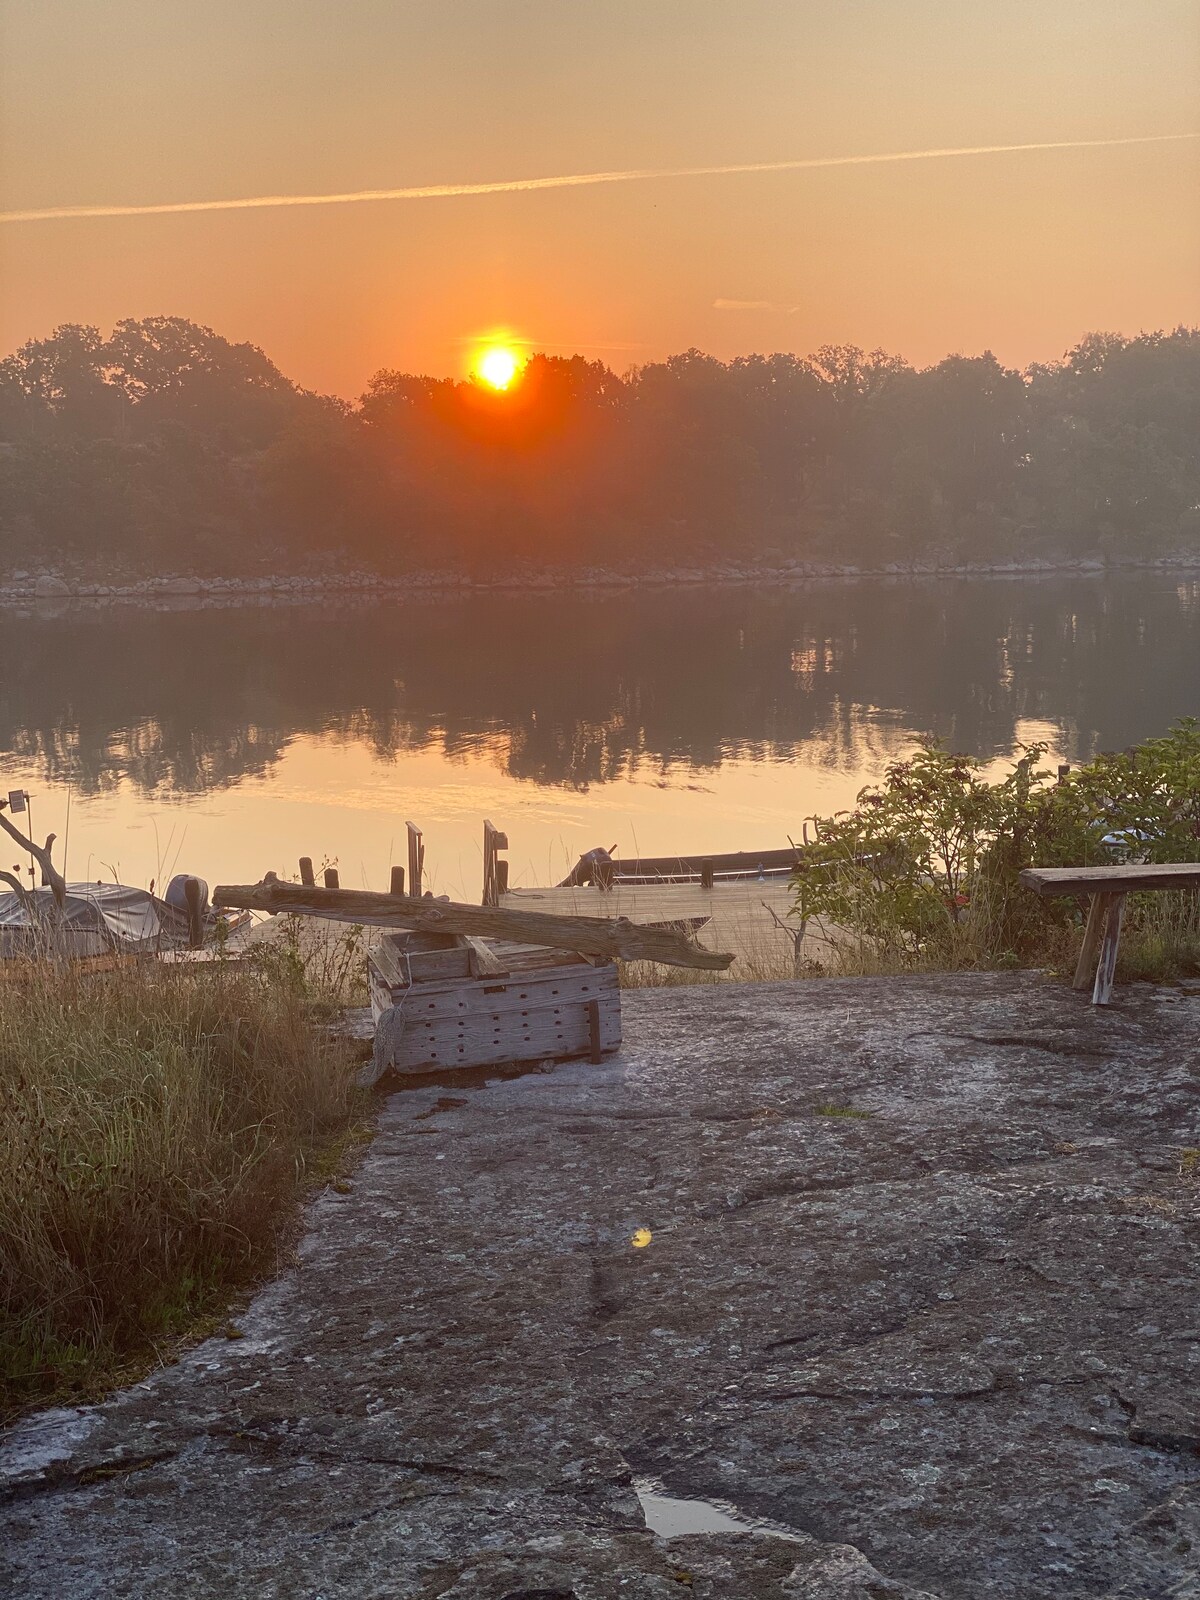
[[498, 366]]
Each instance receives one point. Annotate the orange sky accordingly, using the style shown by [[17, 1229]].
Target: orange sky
[[129, 102]]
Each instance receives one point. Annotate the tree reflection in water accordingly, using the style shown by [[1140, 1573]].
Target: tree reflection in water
[[575, 690]]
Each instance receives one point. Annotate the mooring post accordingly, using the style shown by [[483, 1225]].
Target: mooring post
[[332, 880], [397, 884], [416, 859], [307, 876], [706, 874], [493, 842]]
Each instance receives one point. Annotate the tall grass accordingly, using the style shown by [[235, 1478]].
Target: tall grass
[[1161, 938], [762, 955], [1160, 943], [157, 1126]]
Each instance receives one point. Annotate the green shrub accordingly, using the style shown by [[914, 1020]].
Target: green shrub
[[924, 870]]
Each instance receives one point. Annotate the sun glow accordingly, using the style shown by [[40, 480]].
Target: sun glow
[[497, 366]]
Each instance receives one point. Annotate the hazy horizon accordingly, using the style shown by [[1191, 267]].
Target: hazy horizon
[[627, 367], [621, 181]]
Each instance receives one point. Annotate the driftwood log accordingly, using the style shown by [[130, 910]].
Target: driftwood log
[[606, 937], [45, 915], [51, 876]]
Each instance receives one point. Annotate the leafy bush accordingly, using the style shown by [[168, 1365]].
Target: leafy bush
[[924, 870]]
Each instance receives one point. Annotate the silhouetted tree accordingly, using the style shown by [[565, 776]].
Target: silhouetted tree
[[166, 445]]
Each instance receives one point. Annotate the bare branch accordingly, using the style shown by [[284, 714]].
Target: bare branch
[[41, 854], [21, 892]]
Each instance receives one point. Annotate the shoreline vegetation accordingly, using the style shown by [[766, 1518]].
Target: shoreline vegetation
[[159, 1129], [22, 588], [163, 448], [921, 875]]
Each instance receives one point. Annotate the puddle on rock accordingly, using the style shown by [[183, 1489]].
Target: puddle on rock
[[670, 1517], [444, 1102]]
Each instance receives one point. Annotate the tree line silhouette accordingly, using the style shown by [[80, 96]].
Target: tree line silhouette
[[165, 448]]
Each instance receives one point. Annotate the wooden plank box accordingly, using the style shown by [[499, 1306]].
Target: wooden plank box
[[442, 1003]]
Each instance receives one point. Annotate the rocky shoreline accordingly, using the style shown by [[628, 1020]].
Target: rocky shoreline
[[899, 1271], [56, 588]]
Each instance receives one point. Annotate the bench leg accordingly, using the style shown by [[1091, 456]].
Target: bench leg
[[1085, 969], [1105, 972]]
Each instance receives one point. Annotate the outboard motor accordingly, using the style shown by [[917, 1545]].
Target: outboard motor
[[176, 894], [596, 866], [189, 894]]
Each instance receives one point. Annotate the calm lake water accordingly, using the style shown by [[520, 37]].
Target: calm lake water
[[228, 742]]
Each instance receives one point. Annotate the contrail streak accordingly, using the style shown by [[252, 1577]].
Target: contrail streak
[[571, 180]]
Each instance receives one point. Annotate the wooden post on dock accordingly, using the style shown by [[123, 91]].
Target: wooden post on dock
[[416, 860], [493, 842], [307, 876], [397, 880], [706, 874], [332, 881]]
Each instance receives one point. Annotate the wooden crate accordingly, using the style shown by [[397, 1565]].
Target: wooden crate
[[442, 1003]]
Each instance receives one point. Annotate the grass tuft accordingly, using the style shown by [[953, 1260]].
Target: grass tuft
[[157, 1127]]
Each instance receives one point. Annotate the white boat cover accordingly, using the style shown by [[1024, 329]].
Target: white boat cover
[[98, 918]]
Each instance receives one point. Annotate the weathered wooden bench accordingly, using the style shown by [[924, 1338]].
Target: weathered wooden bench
[[1106, 888]]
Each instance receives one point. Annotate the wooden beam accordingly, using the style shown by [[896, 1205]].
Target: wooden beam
[[484, 961], [609, 937], [1128, 879]]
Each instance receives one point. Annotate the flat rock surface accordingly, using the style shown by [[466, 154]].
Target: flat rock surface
[[948, 1343]]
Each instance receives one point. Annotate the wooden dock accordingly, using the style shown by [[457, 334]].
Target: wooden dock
[[738, 913], [739, 902]]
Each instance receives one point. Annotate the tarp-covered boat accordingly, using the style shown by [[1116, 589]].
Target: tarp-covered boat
[[97, 919]]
